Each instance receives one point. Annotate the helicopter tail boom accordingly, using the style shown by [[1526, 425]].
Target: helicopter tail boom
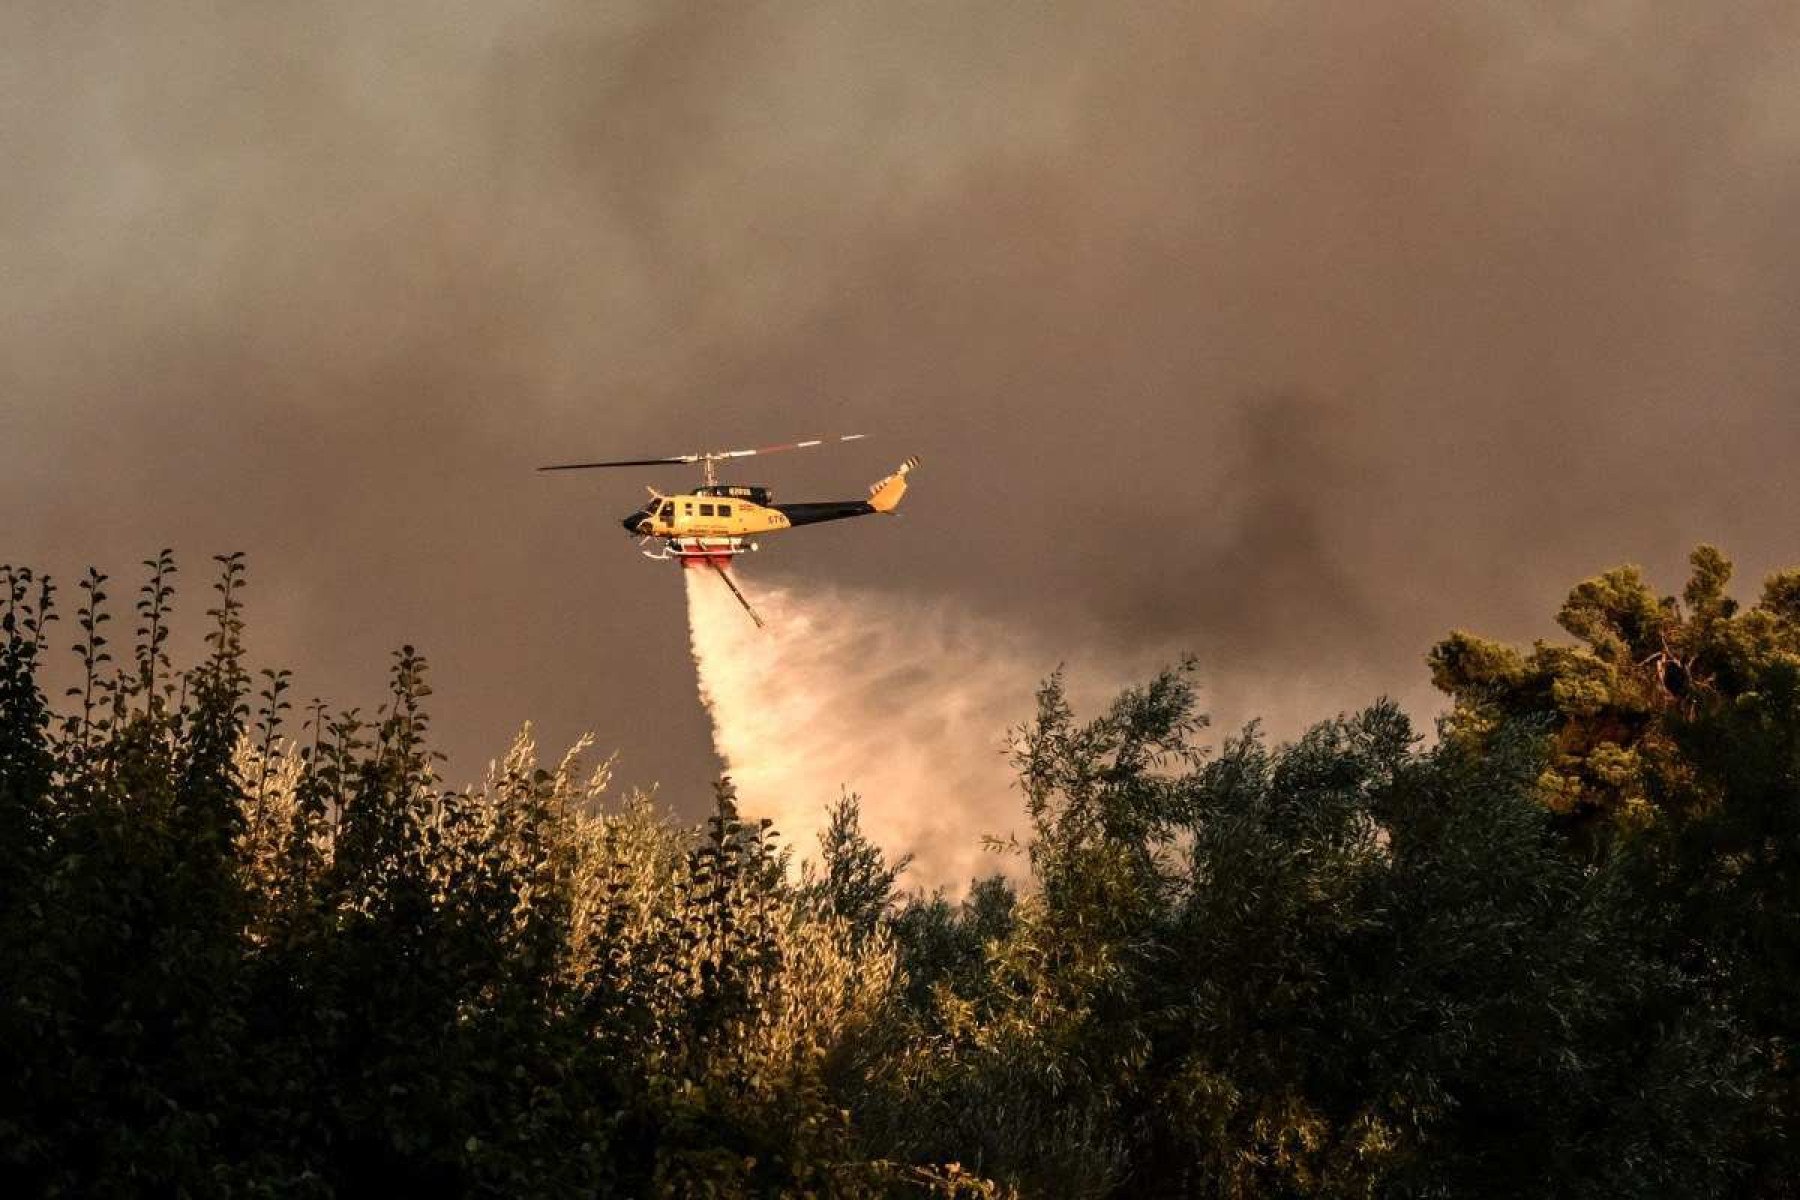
[[884, 497]]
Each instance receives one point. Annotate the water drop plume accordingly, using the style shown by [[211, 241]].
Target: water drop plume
[[908, 706]]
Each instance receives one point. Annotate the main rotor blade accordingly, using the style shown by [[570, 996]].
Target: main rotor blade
[[624, 462], [848, 437], [694, 458]]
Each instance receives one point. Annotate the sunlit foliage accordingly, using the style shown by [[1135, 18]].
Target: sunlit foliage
[[248, 955], [257, 947]]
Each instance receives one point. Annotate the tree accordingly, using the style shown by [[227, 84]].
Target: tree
[[857, 882], [1340, 966], [242, 961], [1673, 727]]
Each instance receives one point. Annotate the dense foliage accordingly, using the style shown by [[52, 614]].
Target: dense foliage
[[248, 951]]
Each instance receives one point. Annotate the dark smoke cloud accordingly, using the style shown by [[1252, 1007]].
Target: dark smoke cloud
[[1288, 334]]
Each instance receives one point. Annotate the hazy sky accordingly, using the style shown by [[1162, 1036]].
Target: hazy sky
[[1288, 334]]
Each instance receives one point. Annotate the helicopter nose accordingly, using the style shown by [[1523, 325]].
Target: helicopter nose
[[637, 518]]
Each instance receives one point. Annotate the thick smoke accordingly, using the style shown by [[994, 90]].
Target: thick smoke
[[1290, 334]]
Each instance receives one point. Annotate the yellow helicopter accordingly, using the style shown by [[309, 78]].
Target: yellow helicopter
[[715, 522]]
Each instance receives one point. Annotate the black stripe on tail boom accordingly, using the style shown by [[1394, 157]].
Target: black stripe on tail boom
[[824, 510]]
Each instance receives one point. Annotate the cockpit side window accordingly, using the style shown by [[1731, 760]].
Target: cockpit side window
[[667, 511]]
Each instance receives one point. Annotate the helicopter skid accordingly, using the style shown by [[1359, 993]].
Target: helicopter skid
[[704, 552]]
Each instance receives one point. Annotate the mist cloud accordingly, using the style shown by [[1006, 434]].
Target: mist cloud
[[845, 691]]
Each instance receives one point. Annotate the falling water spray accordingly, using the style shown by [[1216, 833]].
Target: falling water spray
[[908, 706]]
